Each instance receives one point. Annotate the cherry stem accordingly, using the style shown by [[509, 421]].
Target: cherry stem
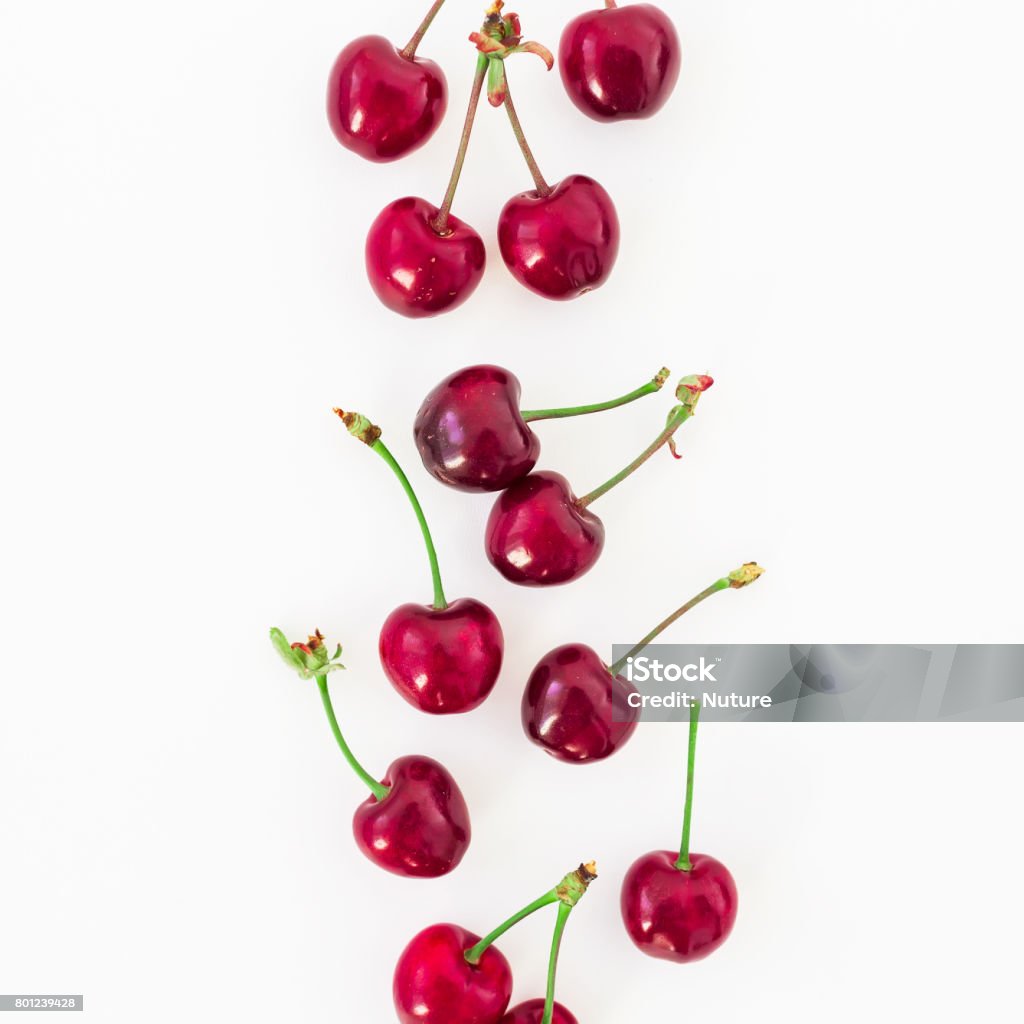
[[379, 790], [556, 944], [410, 50], [435, 570], [610, 4], [684, 850], [650, 388], [473, 955], [517, 129], [440, 222], [683, 413], [722, 584]]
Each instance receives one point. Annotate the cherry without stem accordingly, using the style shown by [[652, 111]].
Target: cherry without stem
[[540, 534], [576, 708], [442, 658], [472, 435]]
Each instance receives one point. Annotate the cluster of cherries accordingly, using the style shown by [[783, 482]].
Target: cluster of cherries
[[559, 240], [444, 658]]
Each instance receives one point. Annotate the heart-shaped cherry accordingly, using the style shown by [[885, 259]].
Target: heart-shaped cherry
[[442, 658], [620, 62], [415, 823], [579, 709], [472, 435], [532, 1012], [560, 242], [448, 975], [540, 534]]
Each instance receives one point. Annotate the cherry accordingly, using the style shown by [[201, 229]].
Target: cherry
[[442, 658], [540, 534], [472, 435], [415, 823], [578, 709], [560, 242], [532, 1012], [620, 63]]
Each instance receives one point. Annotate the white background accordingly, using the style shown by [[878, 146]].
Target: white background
[[828, 218]]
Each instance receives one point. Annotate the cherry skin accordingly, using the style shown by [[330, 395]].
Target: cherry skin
[[470, 433], [538, 536], [678, 915], [532, 1012], [564, 244], [421, 828], [571, 704], [620, 63], [442, 661], [382, 104], [435, 985], [414, 270]]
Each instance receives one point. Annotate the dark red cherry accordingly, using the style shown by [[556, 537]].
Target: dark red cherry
[[532, 1012], [563, 244], [537, 535], [421, 828], [414, 270], [435, 985], [470, 433], [620, 62], [382, 104], [678, 915], [443, 661], [571, 704]]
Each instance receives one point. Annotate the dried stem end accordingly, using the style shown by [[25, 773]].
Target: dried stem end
[[359, 426]]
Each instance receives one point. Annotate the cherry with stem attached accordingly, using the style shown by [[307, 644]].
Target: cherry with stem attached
[[415, 822], [472, 435], [384, 102], [449, 975], [578, 709], [540, 534], [443, 658]]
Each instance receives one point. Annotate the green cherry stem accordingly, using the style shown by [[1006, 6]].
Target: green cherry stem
[[543, 188], [650, 388], [361, 428], [410, 50], [684, 850], [440, 222], [379, 790], [556, 944]]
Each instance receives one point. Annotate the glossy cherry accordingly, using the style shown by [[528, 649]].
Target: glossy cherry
[[620, 63], [414, 268], [435, 984], [560, 242], [532, 1012], [575, 709], [382, 102], [678, 915]]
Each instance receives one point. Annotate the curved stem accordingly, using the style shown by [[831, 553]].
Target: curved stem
[[517, 129], [435, 570], [610, 4], [473, 955], [684, 850], [440, 222], [556, 944], [650, 388], [379, 790], [410, 50], [683, 413], [722, 584]]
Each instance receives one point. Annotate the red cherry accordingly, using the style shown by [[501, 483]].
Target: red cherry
[[421, 828], [571, 704], [621, 62], [434, 984], [562, 244], [678, 915], [382, 104], [470, 433], [415, 270], [532, 1012], [443, 661], [537, 535]]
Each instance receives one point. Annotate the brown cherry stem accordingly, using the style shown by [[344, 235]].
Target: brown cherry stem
[[517, 129], [410, 50]]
